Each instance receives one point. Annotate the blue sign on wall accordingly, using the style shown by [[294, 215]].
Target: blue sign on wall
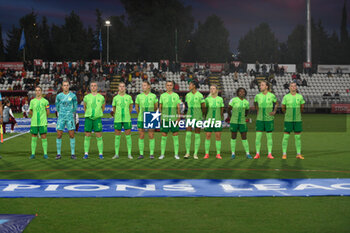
[[174, 188]]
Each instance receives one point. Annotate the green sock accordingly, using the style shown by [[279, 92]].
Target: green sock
[[207, 146], [285, 143], [72, 146], [258, 142], [34, 141], [233, 146], [218, 147], [152, 143], [86, 144], [188, 142], [141, 145], [58, 145], [163, 144], [269, 142], [176, 144], [128, 143], [197, 143], [100, 145], [246, 146], [116, 144], [298, 143], [44, 144]]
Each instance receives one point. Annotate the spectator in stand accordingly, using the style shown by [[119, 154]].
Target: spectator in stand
[[286, 85], [196, 67], [276, 68], [25, 109], [325, 95], [164, 66], [282, 71], [86, 79], [173, 67], [176, 87], [17, 105], [235, 77], [257, 67], [8, 117], [273, 81], [251, 72], [304, 83], [339, 72], [329, 74], [336, 95], [182, 77], [206, 81], [151, 66], [178, 67], [226, 68], [264, 69]]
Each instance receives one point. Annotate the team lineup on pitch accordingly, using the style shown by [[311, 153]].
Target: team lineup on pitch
[[165, 114]]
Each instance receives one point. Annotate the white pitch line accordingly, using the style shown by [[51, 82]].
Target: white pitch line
[[17, 135]]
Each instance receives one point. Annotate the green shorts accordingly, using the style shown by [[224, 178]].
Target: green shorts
[[140, 125], [213, 129], [93, 125], [293, 126], [38, 129], [267, 126], [242, 128], [169, 128], [195, 122], [120, 125]]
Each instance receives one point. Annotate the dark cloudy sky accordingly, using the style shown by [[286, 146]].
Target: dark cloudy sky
[[238, 16]]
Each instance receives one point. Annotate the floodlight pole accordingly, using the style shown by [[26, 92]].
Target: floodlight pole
[[308, 31], [108, 24], [176, 56]]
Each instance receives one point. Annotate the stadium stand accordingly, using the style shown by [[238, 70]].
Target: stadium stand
[[313, 87]]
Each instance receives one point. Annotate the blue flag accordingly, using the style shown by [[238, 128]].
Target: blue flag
[[22, 43], [100, 40]]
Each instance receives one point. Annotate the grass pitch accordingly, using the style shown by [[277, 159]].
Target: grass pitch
[[325, 145]]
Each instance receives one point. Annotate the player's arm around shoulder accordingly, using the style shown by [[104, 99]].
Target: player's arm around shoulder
[[284, 108], [113, 106], [57, 103], [131, 104], [222, 108], [156, 104], [302, 104], [85, 102], [137, 105], [256, 104], [160, 103], [229, 108], [75, 103], [104, 104], [275, 102], [47, 106]]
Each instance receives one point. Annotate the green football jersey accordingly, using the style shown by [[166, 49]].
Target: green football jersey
[[293, 103], [94, 106], [238, 110], [214, 106], [169, 105], [265, 103], [122, 108], [146, 103], [194, 104], [39, 117]]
